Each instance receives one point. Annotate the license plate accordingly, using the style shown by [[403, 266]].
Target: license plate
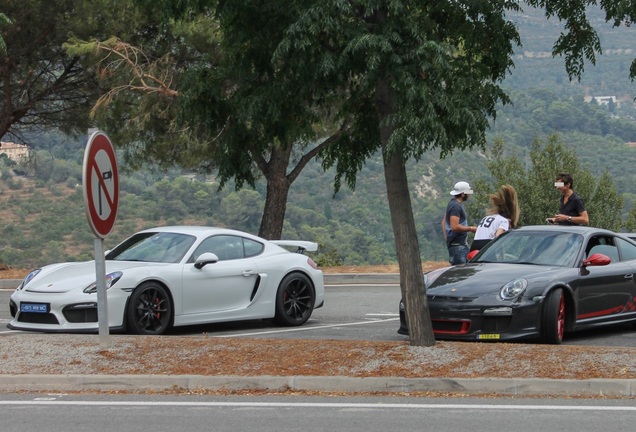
[[34, 307], [488, 336]]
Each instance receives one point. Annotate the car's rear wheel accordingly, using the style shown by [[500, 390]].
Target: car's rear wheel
[[149, 310], [553, 317], [294, 300]]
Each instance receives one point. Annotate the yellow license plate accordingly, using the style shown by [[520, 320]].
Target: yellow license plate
[[488, 336]]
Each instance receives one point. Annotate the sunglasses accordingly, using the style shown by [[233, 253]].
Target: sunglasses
[[558, 184]]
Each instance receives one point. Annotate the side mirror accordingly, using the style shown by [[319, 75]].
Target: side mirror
[[471, 254], [597, 259], [205, 259]]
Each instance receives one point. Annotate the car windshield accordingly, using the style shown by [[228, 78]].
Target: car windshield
[[153, 247], [533, 247]]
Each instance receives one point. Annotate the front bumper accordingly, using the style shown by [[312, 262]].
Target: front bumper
[[71, 312], [469, 321]]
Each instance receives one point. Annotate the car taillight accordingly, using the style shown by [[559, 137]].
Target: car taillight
[[312, 263]]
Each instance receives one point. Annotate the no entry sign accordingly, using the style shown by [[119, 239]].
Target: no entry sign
[[101, 184]]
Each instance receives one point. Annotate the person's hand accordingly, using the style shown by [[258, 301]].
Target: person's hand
[[560, 218], [550, 220]]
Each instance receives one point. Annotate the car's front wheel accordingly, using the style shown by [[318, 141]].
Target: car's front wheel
[[294, 300], [149, 310], [553, 317]]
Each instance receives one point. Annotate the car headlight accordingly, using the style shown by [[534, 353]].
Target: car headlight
[[28, 279], [110, 280], [431, 276], [513, 289]]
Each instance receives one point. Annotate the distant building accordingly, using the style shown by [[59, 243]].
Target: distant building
[[603, 100], [14, 151]]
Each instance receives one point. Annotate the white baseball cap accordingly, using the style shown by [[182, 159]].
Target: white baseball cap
[[460, 188]]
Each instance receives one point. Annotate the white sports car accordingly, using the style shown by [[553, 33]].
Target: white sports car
[[175, 276]]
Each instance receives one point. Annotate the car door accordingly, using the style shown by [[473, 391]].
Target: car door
[[224, 287], [606, 292]]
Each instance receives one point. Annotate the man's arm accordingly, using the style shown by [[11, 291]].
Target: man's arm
[[582, 218], [457, 227]]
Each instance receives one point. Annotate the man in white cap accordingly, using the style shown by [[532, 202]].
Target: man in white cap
[[455, 224]]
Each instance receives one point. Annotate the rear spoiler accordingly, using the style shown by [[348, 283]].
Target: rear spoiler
[[301, 245]]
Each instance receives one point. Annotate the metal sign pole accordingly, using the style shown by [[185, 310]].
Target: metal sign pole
[[101, 198], [102, 302]]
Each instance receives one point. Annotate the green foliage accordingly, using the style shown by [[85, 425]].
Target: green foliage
[[42, 85], [580, 42], [358, 230], [538, 198], [267, 84], [14, 184], [4, 21]]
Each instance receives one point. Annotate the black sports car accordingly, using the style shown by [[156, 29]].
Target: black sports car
[[535, 282]]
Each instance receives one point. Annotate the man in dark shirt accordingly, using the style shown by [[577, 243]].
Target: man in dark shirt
[[455, 224], [572, 208]]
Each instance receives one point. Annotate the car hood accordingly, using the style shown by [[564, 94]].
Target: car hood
[[64, 277], [476, 279]]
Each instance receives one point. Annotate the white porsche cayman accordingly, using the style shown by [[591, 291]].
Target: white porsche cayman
[[175, 276]]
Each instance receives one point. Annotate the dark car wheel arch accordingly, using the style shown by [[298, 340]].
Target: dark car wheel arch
[[570, 306]]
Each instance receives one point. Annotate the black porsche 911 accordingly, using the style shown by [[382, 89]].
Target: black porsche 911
[[535, 282]]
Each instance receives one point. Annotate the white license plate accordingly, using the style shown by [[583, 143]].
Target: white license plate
[[34, 307]]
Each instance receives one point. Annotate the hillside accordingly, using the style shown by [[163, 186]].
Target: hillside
[[44, 219]]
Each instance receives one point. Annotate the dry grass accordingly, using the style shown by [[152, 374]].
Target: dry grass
[[208, 355]]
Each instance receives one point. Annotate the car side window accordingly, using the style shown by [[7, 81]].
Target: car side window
[[226, 247], [627, 250], [603, 245], [252, 248]]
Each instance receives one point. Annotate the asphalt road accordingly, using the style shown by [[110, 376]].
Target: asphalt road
[[353, 312], [137, 413]]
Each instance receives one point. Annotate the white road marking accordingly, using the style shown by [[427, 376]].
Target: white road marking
[[306, 328], [360, 285], [383, 314], [380, 405]]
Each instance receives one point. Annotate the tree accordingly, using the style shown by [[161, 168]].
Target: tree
[[538, 198], [419, 77], [270, 126], [40, 85], [223, 107], [416, 77]]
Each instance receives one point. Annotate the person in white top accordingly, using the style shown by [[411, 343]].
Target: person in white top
[[502, 216]]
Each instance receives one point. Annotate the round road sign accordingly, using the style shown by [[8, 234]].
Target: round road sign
[[101, 184]]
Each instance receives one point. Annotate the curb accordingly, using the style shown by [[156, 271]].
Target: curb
[[336, 384], [9, 283]]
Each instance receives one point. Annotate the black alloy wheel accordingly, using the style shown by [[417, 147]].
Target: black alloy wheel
[[149, 310], [294, 300]]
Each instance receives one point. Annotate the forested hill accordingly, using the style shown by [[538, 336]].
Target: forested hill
[[42, 204]]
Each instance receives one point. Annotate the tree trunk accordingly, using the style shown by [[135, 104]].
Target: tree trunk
[[406, 241], [275, 206], [278, 184]]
